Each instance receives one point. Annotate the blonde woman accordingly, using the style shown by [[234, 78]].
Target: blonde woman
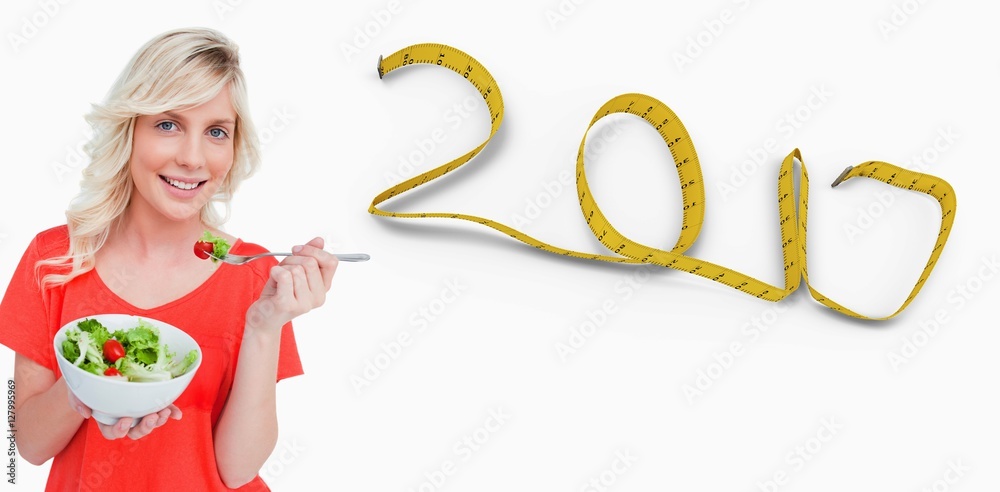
[[172, 140]]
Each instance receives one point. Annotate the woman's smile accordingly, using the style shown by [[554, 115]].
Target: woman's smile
[[181, 187]]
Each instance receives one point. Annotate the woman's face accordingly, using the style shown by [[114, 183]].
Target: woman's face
[[180, 158]]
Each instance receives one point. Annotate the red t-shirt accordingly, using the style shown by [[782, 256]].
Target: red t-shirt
[[180, 455]]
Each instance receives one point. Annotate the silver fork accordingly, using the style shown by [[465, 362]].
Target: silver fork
[[240, 259]]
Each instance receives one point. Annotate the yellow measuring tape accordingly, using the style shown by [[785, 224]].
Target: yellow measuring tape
[[670, 128]]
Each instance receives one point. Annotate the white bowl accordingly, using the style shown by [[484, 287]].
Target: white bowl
[[111, 399]]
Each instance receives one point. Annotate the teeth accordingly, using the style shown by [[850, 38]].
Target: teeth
[[180, 184]]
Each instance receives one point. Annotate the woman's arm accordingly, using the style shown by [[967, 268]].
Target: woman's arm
[[45, 421], [248, 426], [48, 415]]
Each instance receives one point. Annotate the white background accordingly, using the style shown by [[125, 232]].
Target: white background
[[893, 92]]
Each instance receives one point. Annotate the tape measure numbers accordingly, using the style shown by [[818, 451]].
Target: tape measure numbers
[[792, 218]]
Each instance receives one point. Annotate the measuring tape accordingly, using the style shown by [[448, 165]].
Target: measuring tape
[[670, 128]]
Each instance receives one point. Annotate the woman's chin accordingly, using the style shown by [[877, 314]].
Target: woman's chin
[[181, 212]]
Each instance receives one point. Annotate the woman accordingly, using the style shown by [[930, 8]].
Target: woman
[[173, 138]]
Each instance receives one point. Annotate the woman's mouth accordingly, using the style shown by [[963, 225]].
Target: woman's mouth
[[182, 185]]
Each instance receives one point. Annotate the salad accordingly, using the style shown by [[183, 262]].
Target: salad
[[135, 355], [211, 246]]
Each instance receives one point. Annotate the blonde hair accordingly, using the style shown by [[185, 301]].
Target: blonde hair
[[174, 71]]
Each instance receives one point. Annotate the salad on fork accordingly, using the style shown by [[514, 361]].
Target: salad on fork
[[217, 249]]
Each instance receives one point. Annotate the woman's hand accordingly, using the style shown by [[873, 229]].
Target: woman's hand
[[296, 285], [124, 425]]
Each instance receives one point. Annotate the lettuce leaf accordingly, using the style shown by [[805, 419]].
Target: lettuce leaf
[[181, 366], [140, 343], [220, 247]]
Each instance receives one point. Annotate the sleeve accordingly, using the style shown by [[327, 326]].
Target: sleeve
[[25, 321], [289, 364]]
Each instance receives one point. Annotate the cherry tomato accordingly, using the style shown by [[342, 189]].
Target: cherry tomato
[[113, 350], [203, 248], [111, 371]]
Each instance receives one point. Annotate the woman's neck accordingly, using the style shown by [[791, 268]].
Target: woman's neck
[[148, 234]]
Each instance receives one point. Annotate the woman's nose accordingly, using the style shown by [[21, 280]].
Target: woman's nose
[[191, 153]]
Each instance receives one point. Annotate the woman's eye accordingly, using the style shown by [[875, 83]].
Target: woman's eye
[[166, 126], [217, 133]]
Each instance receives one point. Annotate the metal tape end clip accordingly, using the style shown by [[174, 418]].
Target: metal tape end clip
[[378, 67], [842, 177]]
